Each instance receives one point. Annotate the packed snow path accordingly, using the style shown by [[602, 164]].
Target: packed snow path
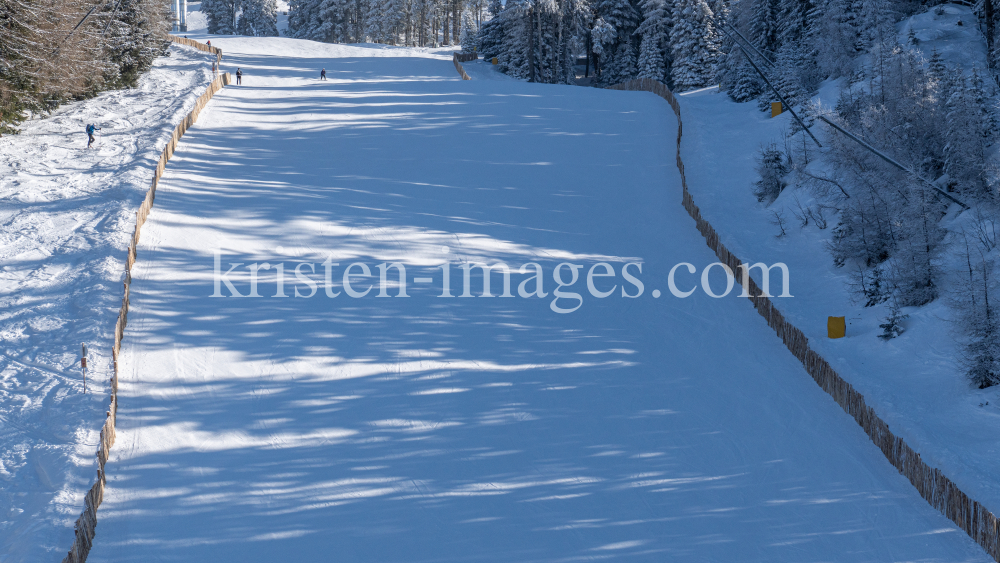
[[467, 429], [66, 215]]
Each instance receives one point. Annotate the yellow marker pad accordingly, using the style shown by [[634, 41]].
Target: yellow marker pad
[[836, 327]]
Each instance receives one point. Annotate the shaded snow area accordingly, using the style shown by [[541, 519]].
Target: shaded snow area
[[422, 428], [66, 214], [914, 381], [952, 31]]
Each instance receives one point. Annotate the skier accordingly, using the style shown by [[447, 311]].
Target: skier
[[90, 133], [322, 74], [209, 43], [239, 76]]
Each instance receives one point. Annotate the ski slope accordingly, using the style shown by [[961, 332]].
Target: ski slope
[[66, 215], [422, 428]]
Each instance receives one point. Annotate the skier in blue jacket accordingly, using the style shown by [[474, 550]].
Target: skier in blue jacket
[[91, 128]]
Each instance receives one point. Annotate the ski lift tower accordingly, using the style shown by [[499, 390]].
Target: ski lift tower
[[178, 9]]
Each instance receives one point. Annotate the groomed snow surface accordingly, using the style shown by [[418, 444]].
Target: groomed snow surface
[[423, 428], [66, 214]]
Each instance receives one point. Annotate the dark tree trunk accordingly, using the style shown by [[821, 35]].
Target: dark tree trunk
[[444, 28], [531, 46], [990, 29]]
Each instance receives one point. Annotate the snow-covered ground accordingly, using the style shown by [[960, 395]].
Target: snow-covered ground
[[66, 214], [465, 429], [913, 381]]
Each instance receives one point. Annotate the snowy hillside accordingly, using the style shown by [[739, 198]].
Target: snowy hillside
[[915, 381], [424, 428], [66, 214]]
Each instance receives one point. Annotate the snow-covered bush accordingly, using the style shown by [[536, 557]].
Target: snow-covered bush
[[892, 327], [772, 168]]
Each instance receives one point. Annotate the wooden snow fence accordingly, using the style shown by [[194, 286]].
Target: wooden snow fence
[[200, 46], [459, 58], [86, 524], [939, 491]]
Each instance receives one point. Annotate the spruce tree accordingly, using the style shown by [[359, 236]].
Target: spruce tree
[[693, 45], [622, 65], [603, 36], [259, 18], [748, 84], [303, 19], [470, 33], [622, 16], [651, 59], [517, 31], [764, 26], [654, 33], [134, 40], [377, 21], [222, 15], [490, 34]]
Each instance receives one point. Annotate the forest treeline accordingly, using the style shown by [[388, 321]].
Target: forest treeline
[[60, 50]]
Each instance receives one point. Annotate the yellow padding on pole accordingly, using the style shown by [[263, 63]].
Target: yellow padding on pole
[[775, 109], [495, 61], [836, 327]]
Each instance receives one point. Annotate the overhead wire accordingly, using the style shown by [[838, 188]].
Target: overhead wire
[[784, 103], [77, 26], [838, 128]]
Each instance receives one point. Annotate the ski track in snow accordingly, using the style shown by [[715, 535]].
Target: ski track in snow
[[427, 429], [66, 214]]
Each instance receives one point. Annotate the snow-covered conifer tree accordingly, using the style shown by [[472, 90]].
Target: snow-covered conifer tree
[[763, 25], [470, 32], [772, 168], [794, 74], [490, 37], [222, 15], [259, 18], [622, 16], [517, 31], [977, 318], [694, 45], [378, 24], [748, 84], [603, 37], [654, 31], [969, 132], [303, 19], [134, 41], [836, 37], [622, 64]]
